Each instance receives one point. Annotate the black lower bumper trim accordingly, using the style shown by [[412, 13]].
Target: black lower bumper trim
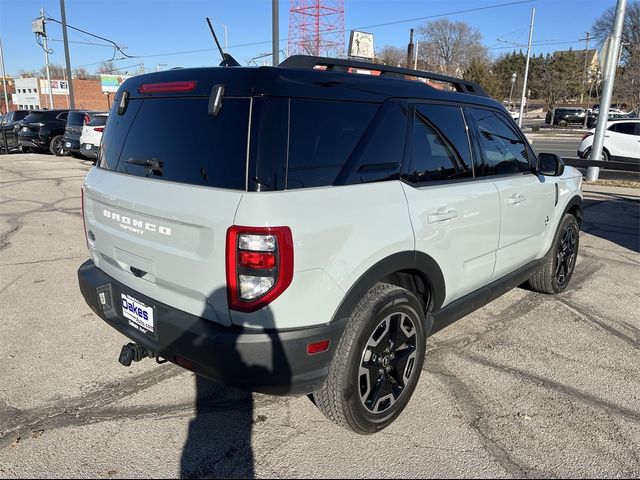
[[273, 362]]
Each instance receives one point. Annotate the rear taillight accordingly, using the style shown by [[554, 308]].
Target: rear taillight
[[98, 129], [87, 119], [168, 87], [586, 135], [259, 265]]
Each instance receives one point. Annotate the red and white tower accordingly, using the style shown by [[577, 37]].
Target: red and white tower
[[316, 27]]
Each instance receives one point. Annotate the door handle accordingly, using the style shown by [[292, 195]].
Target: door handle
[[441, 216], [515, 199]]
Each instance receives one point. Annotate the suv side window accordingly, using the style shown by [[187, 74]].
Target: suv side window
[[63, 116], [440, 147], [627, 128], [504, 151], [322, 137]]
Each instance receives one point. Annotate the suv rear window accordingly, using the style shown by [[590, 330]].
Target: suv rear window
[[98, 121], [76, 118], [34, 117], [176, 139]]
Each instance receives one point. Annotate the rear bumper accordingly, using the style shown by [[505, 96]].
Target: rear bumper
[[71, 143], [91, 152], [273, 362]]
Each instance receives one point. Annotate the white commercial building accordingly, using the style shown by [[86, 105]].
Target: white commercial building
[[27, 96]]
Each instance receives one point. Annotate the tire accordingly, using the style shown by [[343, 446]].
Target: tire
[[349, 396], [554, 274], [56, 147], [605, 155], [563, 123]]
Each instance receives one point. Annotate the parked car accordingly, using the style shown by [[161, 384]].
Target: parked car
[[92, 134], [614, 114], [287, 242], [621, 141], [9, 127], [42, 130], [73, 129], [564, 116]]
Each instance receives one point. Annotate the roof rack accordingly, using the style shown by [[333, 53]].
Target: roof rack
[[347, 65]]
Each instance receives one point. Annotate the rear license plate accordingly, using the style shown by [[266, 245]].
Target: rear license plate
[[139, 315], [68, 144], [25, 129], [87, 146]]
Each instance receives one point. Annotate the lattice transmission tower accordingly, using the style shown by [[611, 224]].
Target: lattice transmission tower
[[316, 27]]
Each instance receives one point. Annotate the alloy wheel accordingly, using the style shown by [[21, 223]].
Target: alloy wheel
[[566, 257]]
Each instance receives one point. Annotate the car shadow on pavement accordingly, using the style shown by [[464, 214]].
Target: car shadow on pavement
[[615, 218], [219, 437]]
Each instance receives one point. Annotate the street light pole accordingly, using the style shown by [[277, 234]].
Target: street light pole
[[513, 82], [4, 80], [415, 63], [275, 31], [607, 90], [526, 70]]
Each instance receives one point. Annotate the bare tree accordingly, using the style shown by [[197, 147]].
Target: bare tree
[[603, 27], [108, 67], [82, 73], [450, 46], [390, 55], [58, 72], [27, 73]]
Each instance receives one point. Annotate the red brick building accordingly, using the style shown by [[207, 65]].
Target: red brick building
[[87, 94]]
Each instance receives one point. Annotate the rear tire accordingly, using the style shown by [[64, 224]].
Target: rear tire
[[554, 274], [56, 146], [377, 363]]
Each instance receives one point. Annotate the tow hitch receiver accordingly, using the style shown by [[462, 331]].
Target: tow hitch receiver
[[132, 352]]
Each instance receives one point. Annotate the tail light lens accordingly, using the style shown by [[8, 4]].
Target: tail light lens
[[99, 129], [87, 119], [168, 87], [586, 135], [259, 265]]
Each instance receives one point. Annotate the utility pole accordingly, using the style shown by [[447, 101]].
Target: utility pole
[[526, 70], [609, 79], [415, 64], [275, 32], [63, 14], [586, 61], [410, 50], [39, 29], [4, 80]]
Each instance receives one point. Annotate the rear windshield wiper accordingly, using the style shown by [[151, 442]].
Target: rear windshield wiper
[[153, 164]]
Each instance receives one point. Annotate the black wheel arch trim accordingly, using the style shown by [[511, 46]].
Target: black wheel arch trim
[[576, 201], [420, 262]]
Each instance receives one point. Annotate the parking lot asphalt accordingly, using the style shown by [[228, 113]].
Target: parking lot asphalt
[[529, 386]]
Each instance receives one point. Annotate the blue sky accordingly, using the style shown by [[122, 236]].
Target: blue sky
[[148, 28]]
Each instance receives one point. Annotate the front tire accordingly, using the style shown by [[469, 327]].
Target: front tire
[[377, 363], [554, 274]]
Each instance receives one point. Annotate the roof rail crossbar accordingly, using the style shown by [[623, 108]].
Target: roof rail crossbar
[[341, 64]]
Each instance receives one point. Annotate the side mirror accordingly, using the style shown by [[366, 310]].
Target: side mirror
[[550, 165]]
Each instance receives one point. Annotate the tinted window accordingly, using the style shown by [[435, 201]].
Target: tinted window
[[19, 115], [623, 127], [176, 139], [502, 148], [433, 155], [379, 155], [62, 116], [34, 117], [75, 118], [269, 130], [98, 121], [322, 136]]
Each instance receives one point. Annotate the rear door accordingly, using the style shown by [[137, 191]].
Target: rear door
[[169, 180], [623, 140], [526, 200], [454, 216]]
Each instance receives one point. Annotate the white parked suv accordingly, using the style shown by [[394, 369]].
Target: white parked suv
[[301, 229], [92, 135], [621, 141]]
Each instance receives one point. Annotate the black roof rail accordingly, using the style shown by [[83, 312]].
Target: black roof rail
[[343, 64]]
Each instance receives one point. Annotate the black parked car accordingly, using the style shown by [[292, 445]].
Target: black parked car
[[564, 116], [43, 130], [9, 127], [75, 121]]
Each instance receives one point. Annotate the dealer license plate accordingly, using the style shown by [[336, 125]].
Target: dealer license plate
[[68, 144], [88, 146], [139, 315]]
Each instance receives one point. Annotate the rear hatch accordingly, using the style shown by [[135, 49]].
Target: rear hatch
[[170, 177], [92, 131], [75, 121]]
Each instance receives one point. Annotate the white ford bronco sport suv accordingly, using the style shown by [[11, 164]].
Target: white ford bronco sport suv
[[301, 229]]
